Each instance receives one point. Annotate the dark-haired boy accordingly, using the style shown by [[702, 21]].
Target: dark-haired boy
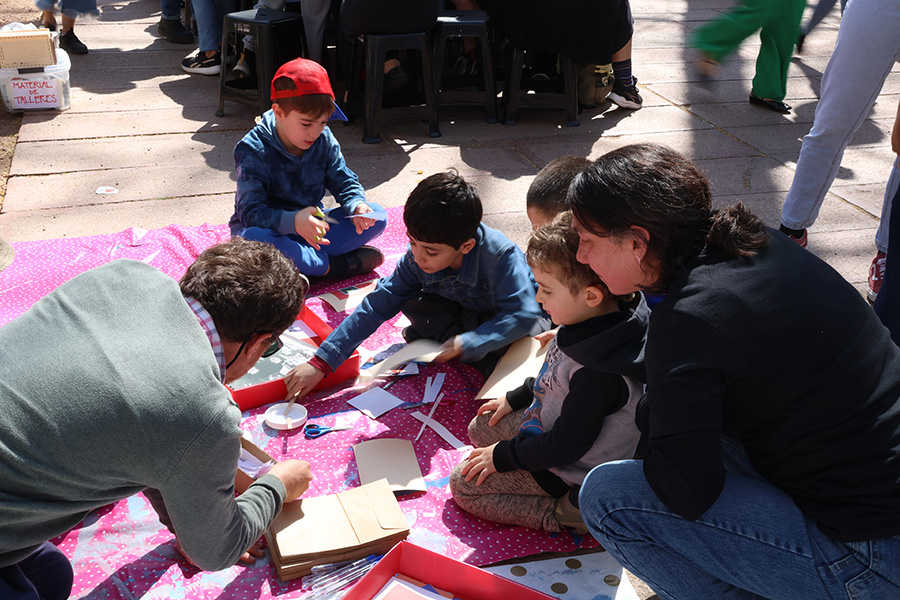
[[285, 165], [546, 195], [460, 283]]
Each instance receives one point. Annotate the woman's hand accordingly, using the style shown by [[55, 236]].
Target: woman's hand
[[311, 227], [500, 406], [301, 380], [362, 224], [480, 464]]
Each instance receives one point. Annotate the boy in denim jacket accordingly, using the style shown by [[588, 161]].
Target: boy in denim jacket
[[285, 165], [460, 283]]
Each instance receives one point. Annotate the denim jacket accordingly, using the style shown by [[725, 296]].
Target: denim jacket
[[493, 277], [273, 184]]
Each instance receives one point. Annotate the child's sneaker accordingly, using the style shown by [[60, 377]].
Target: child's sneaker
[[876, 275], [626, 96], [201, 64], [568, 516]]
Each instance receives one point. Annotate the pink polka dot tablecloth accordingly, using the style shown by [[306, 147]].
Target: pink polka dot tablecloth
[[122, 551]]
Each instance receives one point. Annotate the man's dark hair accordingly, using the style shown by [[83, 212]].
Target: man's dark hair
[[443, 209], [547, 193], [246, 287]]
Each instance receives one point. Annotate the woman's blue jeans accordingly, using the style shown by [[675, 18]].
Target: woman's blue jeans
[[752, 543]]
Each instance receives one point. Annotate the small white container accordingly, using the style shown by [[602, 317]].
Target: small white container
[[39, 88]]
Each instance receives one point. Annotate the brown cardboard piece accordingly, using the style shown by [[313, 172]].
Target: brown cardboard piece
[[391, 459], [26, 49], [344, 526], [522, 360]]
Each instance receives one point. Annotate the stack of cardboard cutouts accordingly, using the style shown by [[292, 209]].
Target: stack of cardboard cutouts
[[345, 526]]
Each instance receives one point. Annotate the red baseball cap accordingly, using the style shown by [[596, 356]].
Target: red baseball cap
[[309, 77]]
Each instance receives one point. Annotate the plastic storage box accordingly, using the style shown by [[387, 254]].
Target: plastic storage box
[[37, 88]]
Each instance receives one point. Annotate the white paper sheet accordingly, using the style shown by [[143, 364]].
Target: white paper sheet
[[375, 402]]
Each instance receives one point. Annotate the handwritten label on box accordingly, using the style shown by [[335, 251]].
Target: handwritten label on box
[[34, 93]]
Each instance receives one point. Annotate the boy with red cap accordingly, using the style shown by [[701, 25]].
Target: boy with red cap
[[285, 165]]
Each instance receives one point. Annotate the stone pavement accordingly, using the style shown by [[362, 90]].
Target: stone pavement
[[138, 123]]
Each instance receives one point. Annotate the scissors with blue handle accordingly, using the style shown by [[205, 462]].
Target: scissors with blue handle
[[314, 430]]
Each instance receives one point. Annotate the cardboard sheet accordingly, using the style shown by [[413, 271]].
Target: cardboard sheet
[[349, 297], [522, 360], [390, 459], [419, 351]]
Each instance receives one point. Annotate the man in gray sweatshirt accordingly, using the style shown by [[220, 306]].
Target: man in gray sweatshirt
[[114, 383]]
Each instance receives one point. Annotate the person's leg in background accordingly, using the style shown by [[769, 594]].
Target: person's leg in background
[[624, 92], [753, 543], [870, 36], [777, 38], [170, 25], [46, 574], [209, 15], [719, 38], [823, 7], [887, 304], [877, 268], [70, 10], [315, 17]]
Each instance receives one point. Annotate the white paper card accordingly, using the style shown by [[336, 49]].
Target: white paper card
[[375, 402]]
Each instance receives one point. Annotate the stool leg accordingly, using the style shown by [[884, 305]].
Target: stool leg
[[439, 43], [570, 88], [374, 90], [511, 89], [487, 66], [430, 100], [220, 111]]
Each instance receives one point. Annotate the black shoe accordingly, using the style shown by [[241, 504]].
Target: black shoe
[[174, 31], [626, 96], [49, 26], [395, 79], [363, 260], [200, 63], [800, 39], [773, 105], [72, 44]]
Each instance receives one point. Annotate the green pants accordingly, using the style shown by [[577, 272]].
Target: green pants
[[779, 24]]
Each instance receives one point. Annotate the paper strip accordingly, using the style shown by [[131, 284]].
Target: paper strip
[[419, 350], [441, 431]]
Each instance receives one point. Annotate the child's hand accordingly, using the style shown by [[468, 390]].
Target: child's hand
[[301, 380], [362, 224], [310, 227], [500, 406], [450, 349], [545, 336], [480, 464]]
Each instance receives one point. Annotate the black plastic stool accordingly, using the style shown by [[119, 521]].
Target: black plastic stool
[[278, 36], [376, 46], [514, 97], [466, 23]]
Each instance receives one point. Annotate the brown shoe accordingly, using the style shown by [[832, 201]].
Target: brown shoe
[[568, 516]]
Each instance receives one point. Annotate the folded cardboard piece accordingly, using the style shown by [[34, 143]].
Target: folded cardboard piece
[[265, 383], [344, 526], [465, 582], [522, 360], [28, 48]]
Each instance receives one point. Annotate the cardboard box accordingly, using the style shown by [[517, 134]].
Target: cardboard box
[[27, 48], [37, 88], [465, 582], [258, 394]]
